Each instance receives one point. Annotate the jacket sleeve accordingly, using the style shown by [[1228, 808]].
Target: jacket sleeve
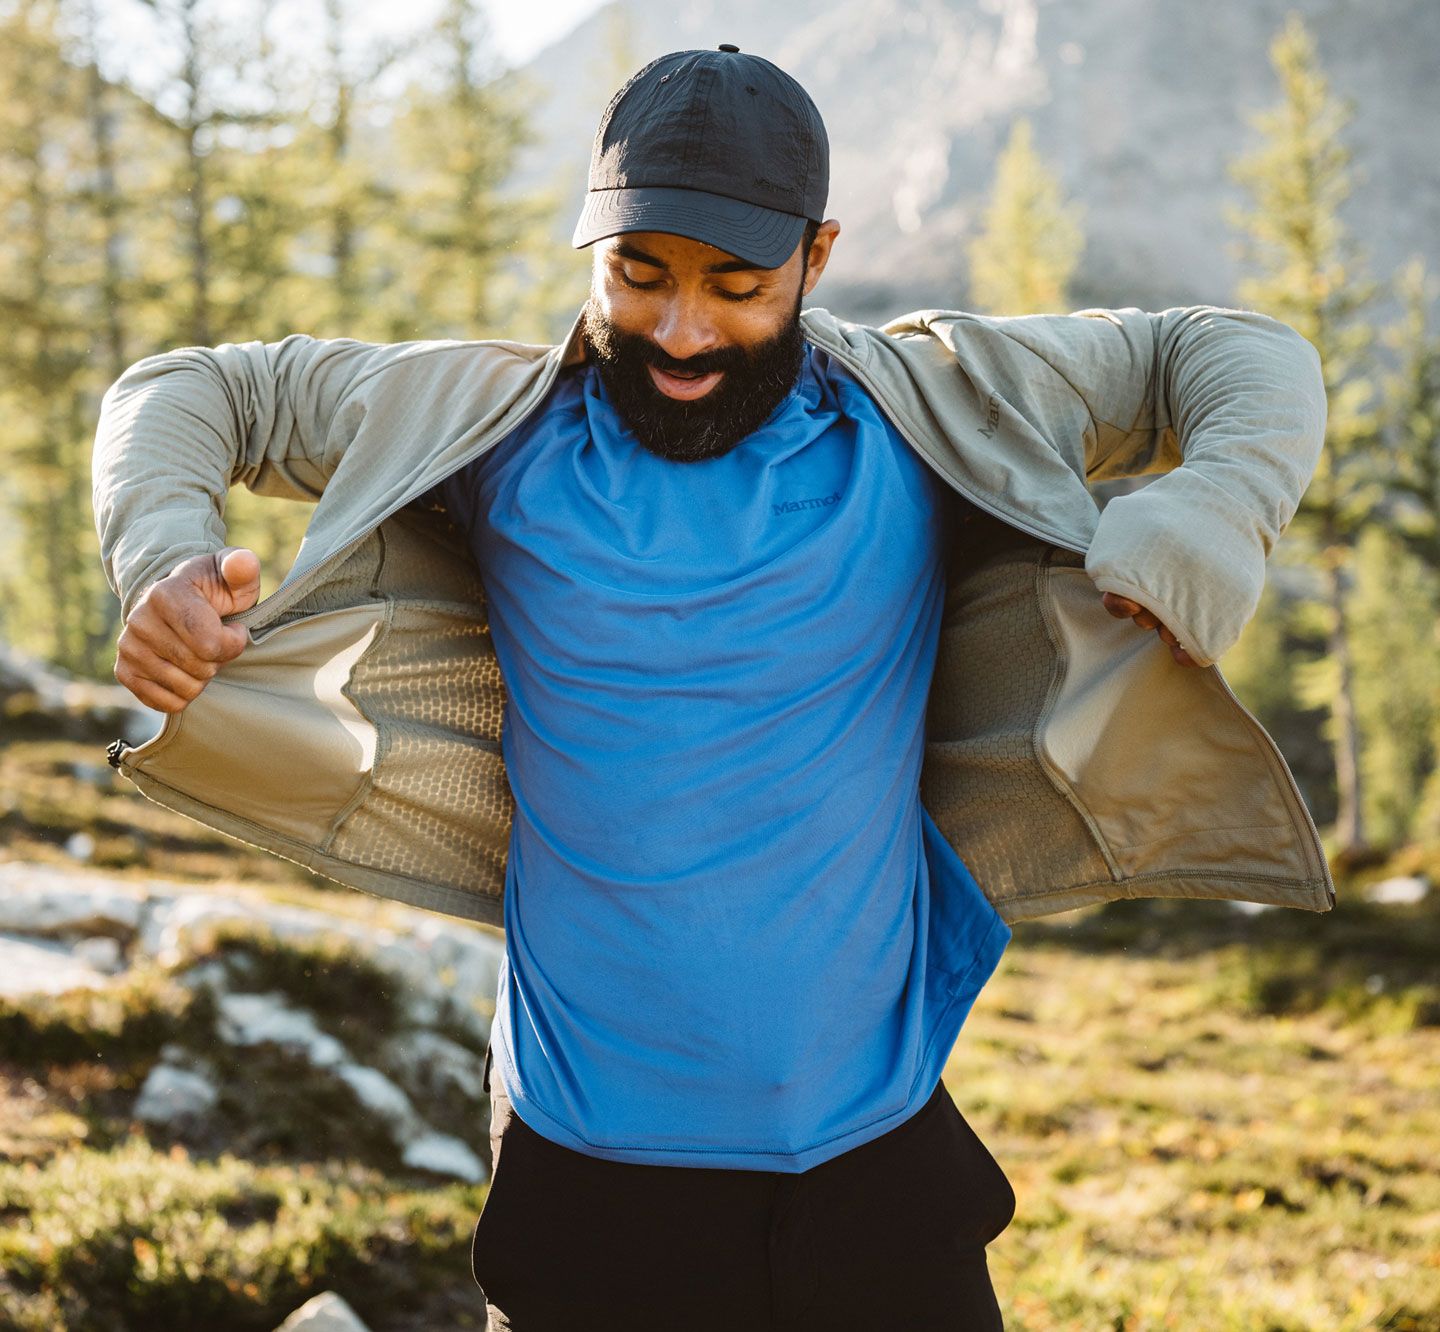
[[1230, 406], [177, 430]]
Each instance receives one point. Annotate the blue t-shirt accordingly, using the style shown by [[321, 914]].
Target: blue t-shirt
[[734, 938]]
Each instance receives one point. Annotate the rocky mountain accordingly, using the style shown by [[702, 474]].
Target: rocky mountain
[[1137, 104]]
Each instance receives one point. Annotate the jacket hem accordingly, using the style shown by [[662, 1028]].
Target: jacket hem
[[1305, 895], [421, 893]]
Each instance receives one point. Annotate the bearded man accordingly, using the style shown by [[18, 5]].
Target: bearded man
[[756, 670]]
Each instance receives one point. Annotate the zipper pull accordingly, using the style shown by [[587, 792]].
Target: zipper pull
[[113, 751]]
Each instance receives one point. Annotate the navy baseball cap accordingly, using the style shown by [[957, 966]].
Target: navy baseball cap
[[718, 146]]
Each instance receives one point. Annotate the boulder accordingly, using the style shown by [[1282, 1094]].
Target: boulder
[[260, 1019], [48, 900], [37, 700], [172, 1094], [441, 1154], [41, 966], [62, 930], [1401, 890], [428, 1062], [325, 1313]]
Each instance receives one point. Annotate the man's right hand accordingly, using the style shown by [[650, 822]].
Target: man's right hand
[[173, 642]]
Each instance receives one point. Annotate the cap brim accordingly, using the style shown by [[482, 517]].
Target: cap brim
[[760, 236]]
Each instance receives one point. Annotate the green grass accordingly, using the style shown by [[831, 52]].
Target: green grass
[[349, 994], [1183, 1156], [126, 1022], [139, 1239], [287, 1187]]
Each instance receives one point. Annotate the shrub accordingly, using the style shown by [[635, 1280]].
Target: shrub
[[136, 1238]]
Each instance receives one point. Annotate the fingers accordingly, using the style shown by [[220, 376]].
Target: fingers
[[234, 639], [175, 641], [1124, 608], [152, 696], [239, 571], [157, 682], [152, 635]]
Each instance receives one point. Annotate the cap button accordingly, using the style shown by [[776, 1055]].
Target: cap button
[[727, 46]]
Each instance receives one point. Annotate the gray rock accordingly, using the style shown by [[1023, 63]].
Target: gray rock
[[187, 924], [44, 899], [1251, 908], [40, 966], [259, 1019], [42, 700], [442, 1154], [209, 975], [443, 970], [428, 1063], [325, 1313], [1402, 890], [101, 952], [80, 846], [383, 1099], [170, 1094]]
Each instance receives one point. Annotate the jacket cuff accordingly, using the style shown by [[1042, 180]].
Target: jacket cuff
[[1184, 550]]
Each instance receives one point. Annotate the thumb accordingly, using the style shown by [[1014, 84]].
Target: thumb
[[240, 570]]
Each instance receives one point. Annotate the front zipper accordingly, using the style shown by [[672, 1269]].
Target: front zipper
[[290, 592]]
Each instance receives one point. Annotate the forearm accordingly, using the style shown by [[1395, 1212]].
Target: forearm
[[1236, 419], [1228, 404], [177, 430]]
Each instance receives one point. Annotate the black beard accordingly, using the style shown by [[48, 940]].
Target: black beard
[[755, 381]]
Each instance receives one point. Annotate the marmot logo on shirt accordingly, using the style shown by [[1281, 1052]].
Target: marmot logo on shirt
[[794, 506]]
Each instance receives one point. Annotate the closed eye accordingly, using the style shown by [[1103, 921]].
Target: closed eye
[[738, 295], [639, 286]]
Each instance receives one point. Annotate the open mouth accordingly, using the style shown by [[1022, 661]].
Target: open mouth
[[684, 387]]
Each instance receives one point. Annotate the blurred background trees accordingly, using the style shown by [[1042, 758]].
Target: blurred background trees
[[1030, 240], [252, 189], [1367, 614]]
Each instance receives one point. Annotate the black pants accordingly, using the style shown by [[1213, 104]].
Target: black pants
[[890, 1235]]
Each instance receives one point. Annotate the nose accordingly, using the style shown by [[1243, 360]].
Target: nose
[[683, 329]]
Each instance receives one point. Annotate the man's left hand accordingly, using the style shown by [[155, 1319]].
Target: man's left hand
[[1123, 608]]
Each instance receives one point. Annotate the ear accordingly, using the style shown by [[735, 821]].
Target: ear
[[819, 254]]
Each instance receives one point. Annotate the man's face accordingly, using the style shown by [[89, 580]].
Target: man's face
[[696, 347]]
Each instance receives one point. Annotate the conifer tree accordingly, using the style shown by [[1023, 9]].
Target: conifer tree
[[1393, 614], [1412, 412], [457, 139], [1305, 270], [54, 600], [1023, 258]]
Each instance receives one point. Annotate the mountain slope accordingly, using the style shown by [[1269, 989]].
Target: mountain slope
[[1138, 105]]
